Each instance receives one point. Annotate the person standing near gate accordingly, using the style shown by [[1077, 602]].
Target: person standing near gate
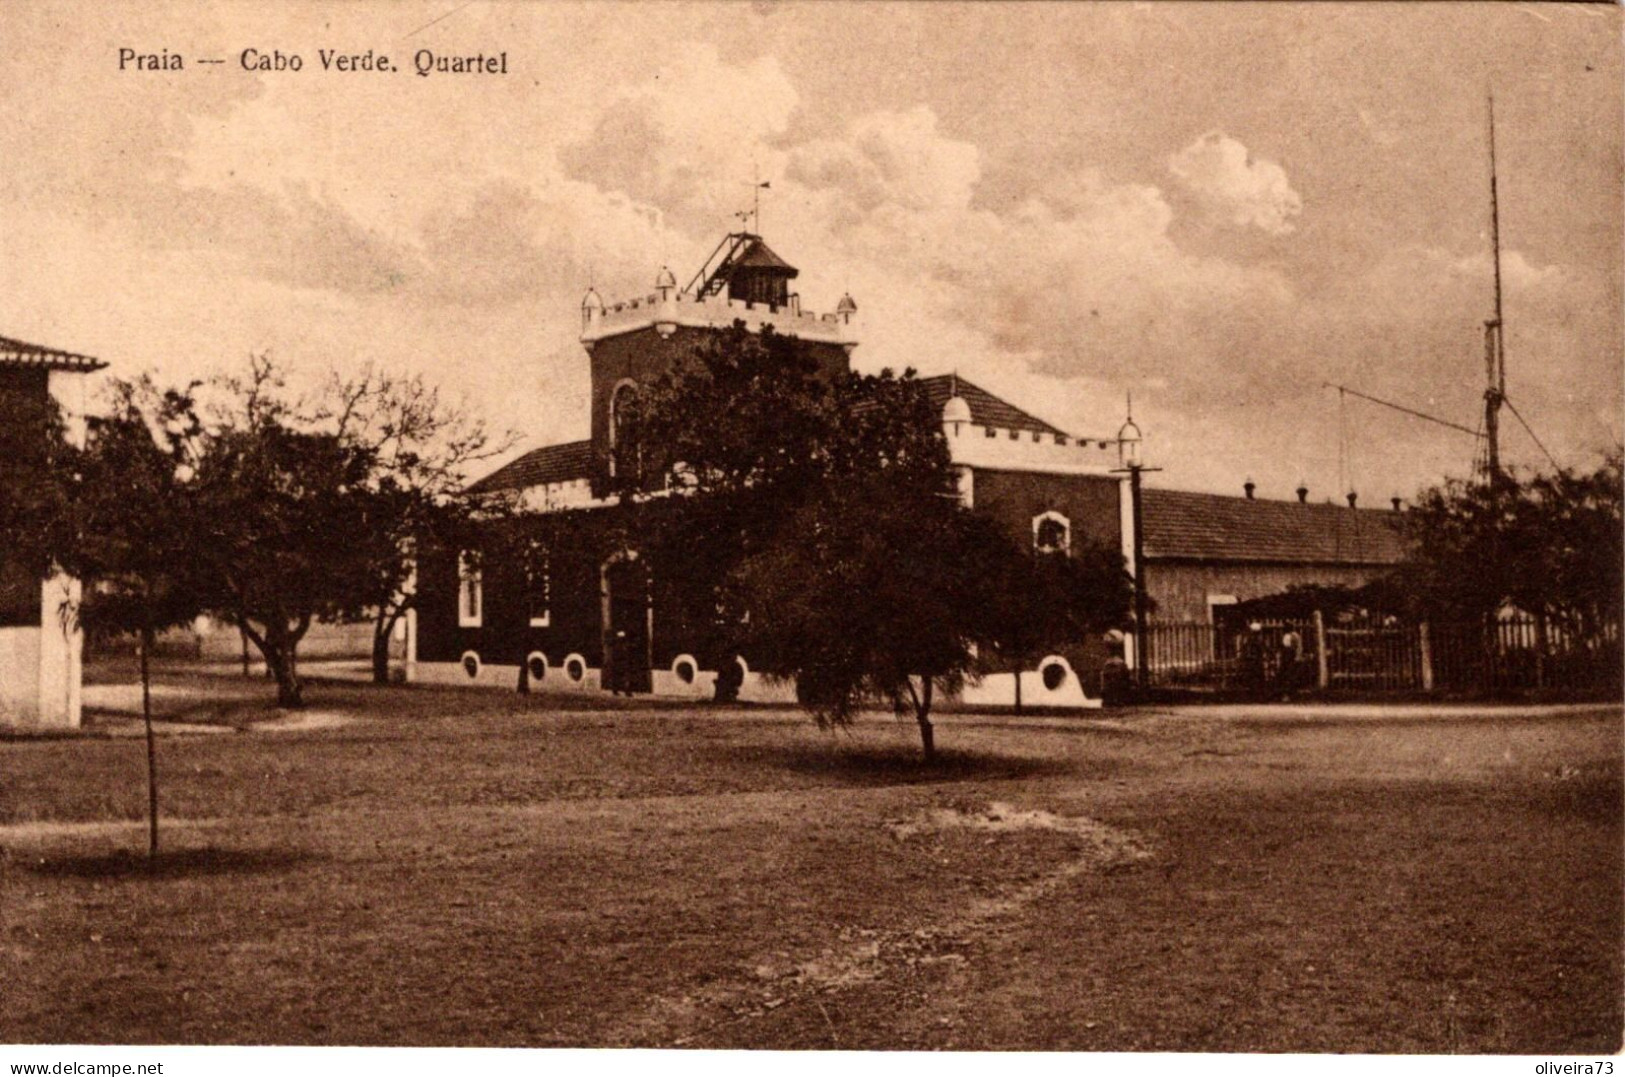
[[1291, 654], [1252, 660], [619, 656]]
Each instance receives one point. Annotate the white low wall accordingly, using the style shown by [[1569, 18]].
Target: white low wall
[[499, 676], [992, 690], [19, 676], [999, 689], [666, 683], [41, 665]]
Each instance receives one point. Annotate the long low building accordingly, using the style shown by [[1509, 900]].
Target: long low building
[[594, 616]]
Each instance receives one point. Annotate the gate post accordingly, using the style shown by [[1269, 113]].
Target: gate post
[[1426, 646], [1324, 671]]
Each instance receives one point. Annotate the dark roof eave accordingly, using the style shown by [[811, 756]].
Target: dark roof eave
[[1330, 562], [567, 462], [20, 353]]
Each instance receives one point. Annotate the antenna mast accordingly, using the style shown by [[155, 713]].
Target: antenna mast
[[1495, 364]]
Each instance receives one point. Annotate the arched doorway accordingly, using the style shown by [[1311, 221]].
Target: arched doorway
[[627, 623]]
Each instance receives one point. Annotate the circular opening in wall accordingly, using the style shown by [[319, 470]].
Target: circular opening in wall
[[684, 668], [575, 668], [1054, 675], [536, 664], [471, 665]]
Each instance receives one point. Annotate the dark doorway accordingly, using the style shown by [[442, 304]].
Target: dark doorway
[[626, 625]]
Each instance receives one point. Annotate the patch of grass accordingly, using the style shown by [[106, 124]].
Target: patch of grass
[[168, 863], [866, 764], [480, 868]]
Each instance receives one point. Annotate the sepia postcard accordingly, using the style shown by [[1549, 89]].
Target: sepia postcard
[[1070, 528]]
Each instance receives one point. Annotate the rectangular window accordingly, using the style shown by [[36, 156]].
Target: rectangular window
[[538, 586], [966, 481], [470, 591]]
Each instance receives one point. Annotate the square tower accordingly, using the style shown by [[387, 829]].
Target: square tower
[[630, 343]]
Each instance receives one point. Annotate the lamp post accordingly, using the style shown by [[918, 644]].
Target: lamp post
[[1129, 462]]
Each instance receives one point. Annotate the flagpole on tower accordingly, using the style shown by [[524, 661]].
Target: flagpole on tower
[[757, 186]]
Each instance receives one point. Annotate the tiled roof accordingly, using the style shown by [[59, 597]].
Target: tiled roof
[[550, 463], [21, 353], [758, 255], [1215, 527], [985, 408]]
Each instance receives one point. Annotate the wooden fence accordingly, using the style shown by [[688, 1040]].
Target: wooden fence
[[1509, 654]]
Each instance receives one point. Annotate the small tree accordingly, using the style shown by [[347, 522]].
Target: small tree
[[136, 551], [1047, 598], [285, 518], [422, 448], [821, 523], [876, 591], [882, 587]]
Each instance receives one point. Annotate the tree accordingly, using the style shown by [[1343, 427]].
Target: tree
[[742, 428], [285, 522], [421, 448], [135, 549], [37, 469], [821, 521], [1548, 544], [876, 591], [745, 412], [1049, 597]]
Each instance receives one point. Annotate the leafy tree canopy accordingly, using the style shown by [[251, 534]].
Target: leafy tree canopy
[[823, 525], [421, 448], [1547, 544], [37, 469]]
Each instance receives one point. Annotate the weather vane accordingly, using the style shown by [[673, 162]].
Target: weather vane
[[754, 214]]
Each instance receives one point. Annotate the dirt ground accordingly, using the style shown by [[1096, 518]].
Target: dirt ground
[[405, 866]]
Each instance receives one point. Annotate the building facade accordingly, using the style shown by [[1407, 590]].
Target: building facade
[[594, 615], [1207, 552], [41, 645]]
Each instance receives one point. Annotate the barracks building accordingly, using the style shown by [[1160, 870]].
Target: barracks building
[[592, 618]]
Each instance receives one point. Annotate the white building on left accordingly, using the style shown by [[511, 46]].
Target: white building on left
[[41, 645]]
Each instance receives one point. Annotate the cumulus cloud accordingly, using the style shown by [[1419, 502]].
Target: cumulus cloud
[[686, 139], [891, 158], [361, 226], [1238, 188]]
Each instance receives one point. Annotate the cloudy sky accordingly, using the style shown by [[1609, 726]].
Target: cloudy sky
[[1219, 207]]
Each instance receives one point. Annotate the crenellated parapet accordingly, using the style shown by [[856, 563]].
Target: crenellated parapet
[[666, 309], [997, 449]]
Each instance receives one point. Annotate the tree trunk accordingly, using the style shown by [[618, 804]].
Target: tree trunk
[[382, 629], [152, 747], [523, 688], [1019, 664], [280, 659], [290, 693], [922, 715]]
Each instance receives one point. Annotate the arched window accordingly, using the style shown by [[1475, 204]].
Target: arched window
[[1052, 533], [470, 591], [538, 585], [618, 399]]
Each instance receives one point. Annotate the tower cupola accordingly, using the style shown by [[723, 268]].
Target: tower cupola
[[1130, 439], [846, 308], [757, 275], [592, 308]]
